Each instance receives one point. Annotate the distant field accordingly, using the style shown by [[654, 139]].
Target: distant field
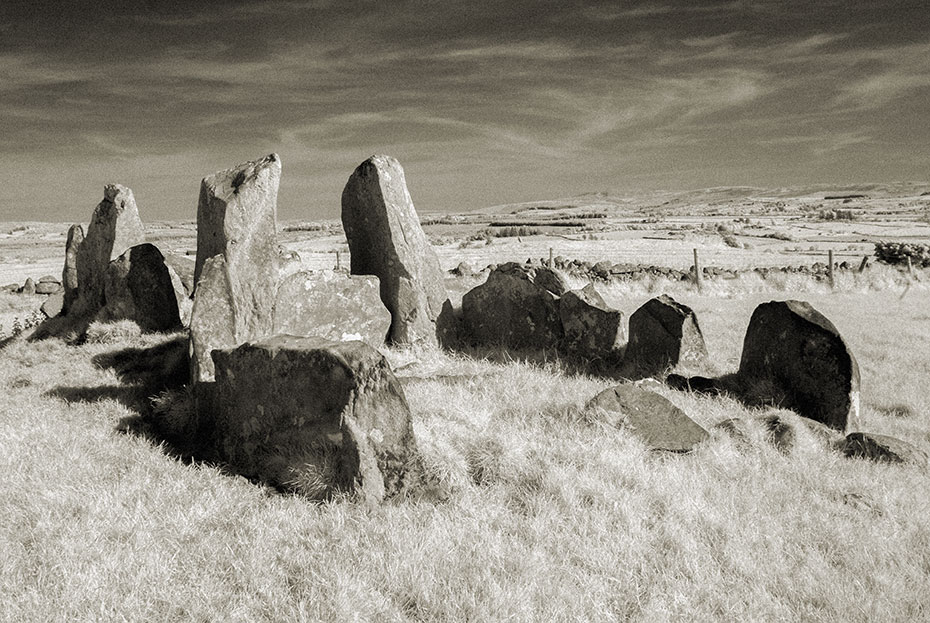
[[540, 514]]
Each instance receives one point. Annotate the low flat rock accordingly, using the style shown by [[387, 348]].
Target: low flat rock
[[794, 357], [332, 305], [516, 307], [47, 287], [663, 334], [591, 327], [314, 416], [881, 448], [649, 416]]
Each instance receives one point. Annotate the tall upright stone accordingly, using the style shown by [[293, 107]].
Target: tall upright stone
[[236, 269], [386, 240], [663, 334], [69, 274], [795, 357], [114, 228]]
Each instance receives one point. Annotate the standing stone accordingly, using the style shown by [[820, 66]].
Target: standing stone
[[236, 222], [69, 275], [385, 239], [648, 415], [591, 327], [29, 287], [794, 353], [141, 287], [114, 228], [514, 308], [332, 305], [315, 417], [663, 334]]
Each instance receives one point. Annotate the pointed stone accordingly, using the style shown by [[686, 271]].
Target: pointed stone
[[794, 357], [514, 308], [69, 274], [114, 228], [141, 287], [236, 222], [386, 240], [663, 334]]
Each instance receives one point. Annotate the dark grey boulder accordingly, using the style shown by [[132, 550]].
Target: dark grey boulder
[[591, 327], [648, 415], [795, 358], [141, 287], [663, 335], [881, 448], [314, 416]]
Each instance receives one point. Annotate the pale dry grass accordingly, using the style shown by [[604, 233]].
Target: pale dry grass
[[544, 514]]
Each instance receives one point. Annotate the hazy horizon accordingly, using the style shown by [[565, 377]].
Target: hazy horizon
[[483, 104]]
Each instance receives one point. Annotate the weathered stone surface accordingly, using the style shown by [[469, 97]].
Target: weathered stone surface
[[141, 287], [47, 287], [29, 287], [49, 279], [236, 222], [649, 416], [332, 305], [213, 319], [511, 309], [114, 228], [183, 266], [663, 334], [52, 306], [315, 416], [69, 274], [794, 353], [881, 448], [591, 327], [386, 240]]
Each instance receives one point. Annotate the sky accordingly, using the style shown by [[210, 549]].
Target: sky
[[483, 103]]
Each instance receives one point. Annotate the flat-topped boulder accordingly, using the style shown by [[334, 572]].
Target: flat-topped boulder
[[140, 286], [516, 307], [649, 416], [663, 334], [314, 416], [386, 240], [794, 357], [332, 305], [114, 228], [236, 235], [591, 327]]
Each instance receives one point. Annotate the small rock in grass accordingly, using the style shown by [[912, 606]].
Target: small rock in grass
[[649, 416], [881, 448]]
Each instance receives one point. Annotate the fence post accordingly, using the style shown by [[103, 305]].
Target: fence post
[[865, 262], [550, 258], [830, 268], [338, 263], [697, 271]]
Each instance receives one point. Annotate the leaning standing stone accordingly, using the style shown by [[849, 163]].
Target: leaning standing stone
[[314, 416], [141, 287], [385, 239], [663, 334], [69, 274], [236, 222], [794, 356], [114, 228]]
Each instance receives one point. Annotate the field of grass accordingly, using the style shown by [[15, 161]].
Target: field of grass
[[540, 514]]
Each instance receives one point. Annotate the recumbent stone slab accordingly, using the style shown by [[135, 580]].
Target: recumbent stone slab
[[795, 351], [649, 416], [332, 305], [314, 416], [386, 240]]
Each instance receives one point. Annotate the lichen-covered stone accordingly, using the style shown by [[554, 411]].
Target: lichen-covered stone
[[236, 222], [314, 416], [514, 308], [794, 357], [648, 415], [663, 335], [114, 228], [386, 240], [591, 327], [332, 305]]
